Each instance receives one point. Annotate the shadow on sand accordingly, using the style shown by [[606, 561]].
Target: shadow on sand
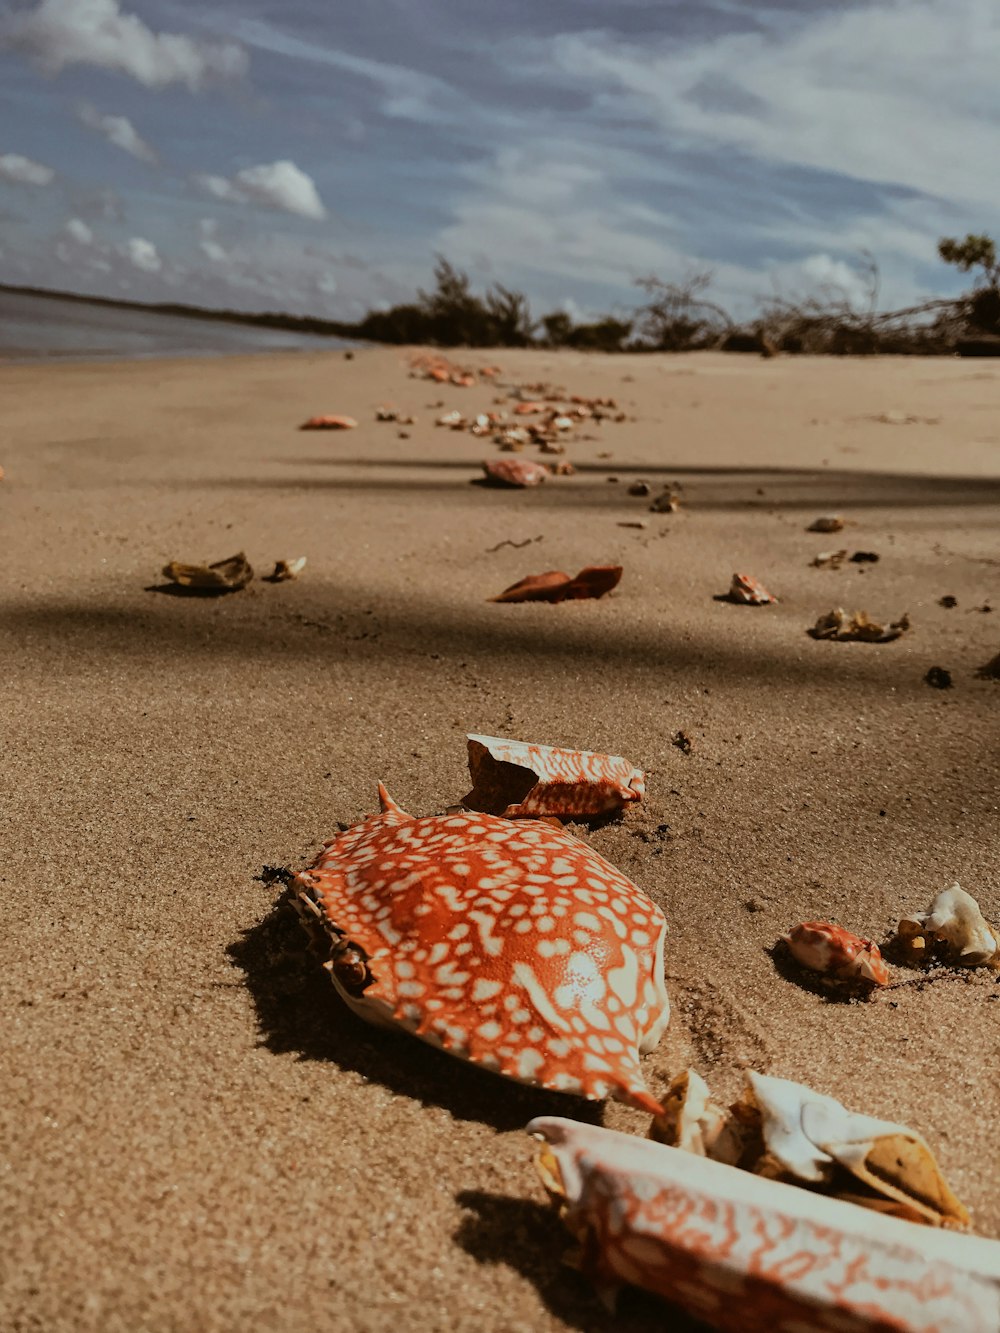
[[298, 1011]]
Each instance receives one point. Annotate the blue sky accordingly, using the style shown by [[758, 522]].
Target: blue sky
[[313, 156]]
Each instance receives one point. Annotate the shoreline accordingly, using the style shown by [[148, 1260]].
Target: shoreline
[[199, 1136]]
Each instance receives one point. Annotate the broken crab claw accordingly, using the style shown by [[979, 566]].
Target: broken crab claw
[[752, 1255], [954, 926], [814, 1139], [825, 947]]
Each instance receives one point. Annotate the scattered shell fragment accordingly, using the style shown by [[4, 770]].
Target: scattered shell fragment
[[439, 925], [825, 947], [807, 1135], [640, 488], [667, 503], [516, 779], [829, 560], [750, 591], [223, 576], [858, 626], [555, 586], [329, 422], [288, 569], [514, 472], [952, 928], [693, 1122], [826, 523], [749, 1255]]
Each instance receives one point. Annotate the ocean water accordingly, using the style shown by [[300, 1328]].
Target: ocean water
[[33, 327]]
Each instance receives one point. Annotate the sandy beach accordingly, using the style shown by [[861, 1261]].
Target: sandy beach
[[196, 1136]]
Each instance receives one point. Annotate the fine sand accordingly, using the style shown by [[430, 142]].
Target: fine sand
[[195, 1137]]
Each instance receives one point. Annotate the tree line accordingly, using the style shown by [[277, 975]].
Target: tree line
[[683, 316]]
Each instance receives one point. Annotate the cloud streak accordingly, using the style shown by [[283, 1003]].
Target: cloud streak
[[59, 33], [119, 131], [23, 171]]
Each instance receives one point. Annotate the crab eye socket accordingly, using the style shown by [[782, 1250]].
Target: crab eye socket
[[350, 968]]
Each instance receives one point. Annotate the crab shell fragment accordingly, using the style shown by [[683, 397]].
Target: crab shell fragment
[[955, 924], [807, 1135], [823, 946], [512, 945], [751, 1255], [745, 588], [514, 472], [516, 779]]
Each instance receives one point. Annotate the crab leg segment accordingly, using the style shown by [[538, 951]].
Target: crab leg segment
[[750, 1255]]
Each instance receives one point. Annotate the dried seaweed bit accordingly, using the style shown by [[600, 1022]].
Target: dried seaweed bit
[[826, 523], [948, 601], [939, 678], [640, 488], [329, 422], [271, 875], [224, 576], [991, 671], [865, 558], [683, 742], [555, 586], [829, 560], [858, 627]]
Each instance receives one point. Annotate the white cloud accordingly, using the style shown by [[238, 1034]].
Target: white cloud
[[550, 207], [822, 94], [208, 243], [23, 171], [142, 254], [78, 231], [280, 185], [57, 33], [118, 131]]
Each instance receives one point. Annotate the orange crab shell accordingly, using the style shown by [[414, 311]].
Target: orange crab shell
[[823, 946], [510, 944], [745, 588]]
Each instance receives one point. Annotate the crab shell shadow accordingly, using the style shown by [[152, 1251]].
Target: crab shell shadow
[[299, 1011], [529, 1238]]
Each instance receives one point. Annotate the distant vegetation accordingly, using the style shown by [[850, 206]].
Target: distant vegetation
[[675, 316], [681, 316]]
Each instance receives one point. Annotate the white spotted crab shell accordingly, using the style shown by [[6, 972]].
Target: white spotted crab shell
[[751, 1255], [510, 944]]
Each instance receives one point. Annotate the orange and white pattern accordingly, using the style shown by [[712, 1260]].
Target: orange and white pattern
[[551, 781], [512, 945], [751, 1255], [823, 946]]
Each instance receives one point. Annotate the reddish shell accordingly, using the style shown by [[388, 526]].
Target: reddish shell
[[745, 588], [514, 471], [329, 422], [512, 945], [823, 946], [555, 586]]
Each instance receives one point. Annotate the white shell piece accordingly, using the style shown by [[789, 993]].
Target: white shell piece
[[781, 1104], [705, 1235], [955, 919]]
